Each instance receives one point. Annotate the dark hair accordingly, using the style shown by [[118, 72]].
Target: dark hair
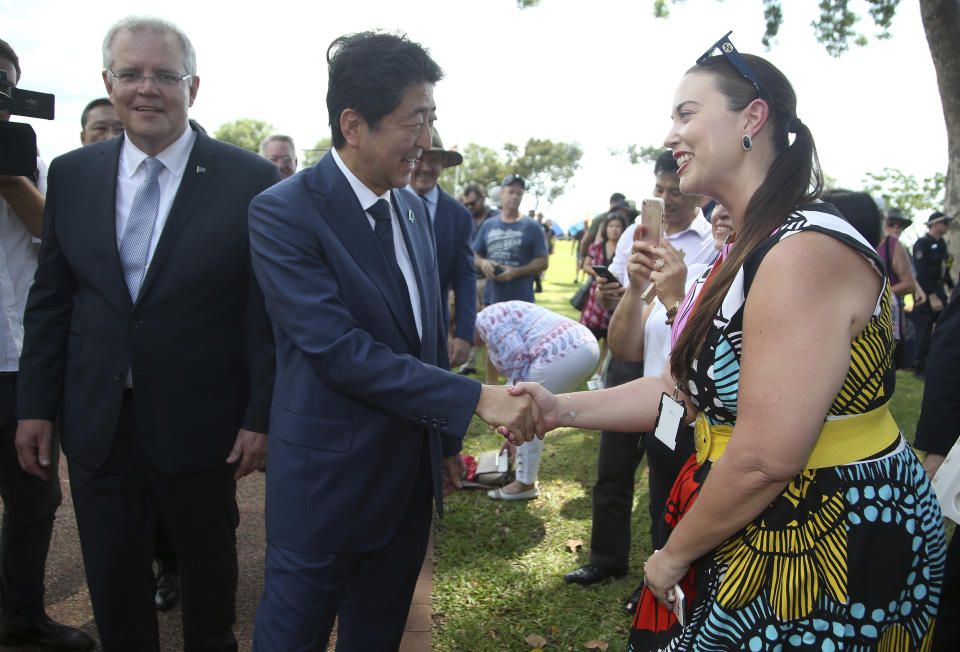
[[860, 210], [100, 101], [793, 179], [665, 163], [369, 72], [474, 189], [610, 217], [617, 196], [6, 52]]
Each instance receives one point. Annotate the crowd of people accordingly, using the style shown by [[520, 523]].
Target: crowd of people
[[173, 299]]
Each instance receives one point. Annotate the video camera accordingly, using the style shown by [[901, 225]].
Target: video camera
[[18, 141]]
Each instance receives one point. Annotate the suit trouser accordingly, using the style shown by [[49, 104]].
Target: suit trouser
[[118, 506], [29, 507], [369, 592], [620, 455], [923, 319], [946, 634]]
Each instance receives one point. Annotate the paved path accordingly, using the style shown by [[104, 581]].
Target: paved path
[[69, 602]]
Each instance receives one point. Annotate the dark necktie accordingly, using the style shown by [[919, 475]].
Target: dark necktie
[[426, 207], [383, 229]]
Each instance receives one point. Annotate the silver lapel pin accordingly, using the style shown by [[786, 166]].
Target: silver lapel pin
[[410, 216], [201, 169]]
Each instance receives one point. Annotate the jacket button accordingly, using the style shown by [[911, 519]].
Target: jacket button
[[118, 377]]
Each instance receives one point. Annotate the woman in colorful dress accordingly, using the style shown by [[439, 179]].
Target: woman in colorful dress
[[528, 342], [805, 520], [601, 252]]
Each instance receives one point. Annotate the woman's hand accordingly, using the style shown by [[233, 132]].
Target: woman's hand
[[547, 405], [660, 573], [640, 264], [670, 277]]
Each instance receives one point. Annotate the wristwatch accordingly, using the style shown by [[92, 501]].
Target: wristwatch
[[672, 311]]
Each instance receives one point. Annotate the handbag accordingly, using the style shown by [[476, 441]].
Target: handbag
[[579, 297], [489, 470]]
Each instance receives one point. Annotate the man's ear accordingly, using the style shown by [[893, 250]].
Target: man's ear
[[755, 115], [353, 126]]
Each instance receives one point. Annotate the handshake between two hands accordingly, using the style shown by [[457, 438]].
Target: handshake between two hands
[[519, 413]]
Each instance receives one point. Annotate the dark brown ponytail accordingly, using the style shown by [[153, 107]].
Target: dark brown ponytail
[[794, 179]]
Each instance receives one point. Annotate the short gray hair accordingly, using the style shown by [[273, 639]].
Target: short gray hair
[[285, 139], [157, 26]]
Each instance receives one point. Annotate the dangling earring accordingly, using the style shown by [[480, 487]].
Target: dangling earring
[[747, 142]]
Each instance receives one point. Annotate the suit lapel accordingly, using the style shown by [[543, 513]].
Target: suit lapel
[[339, 207], [201, 168], [101, 217], [406, 215]]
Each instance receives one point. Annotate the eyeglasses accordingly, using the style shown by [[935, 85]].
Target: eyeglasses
[[734, 57], [280, 159], [514, 178], [131, 78], [476, 203]]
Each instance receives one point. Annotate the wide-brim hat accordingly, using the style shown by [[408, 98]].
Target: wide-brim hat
[[936, 217], [897, 215], [451, 158]]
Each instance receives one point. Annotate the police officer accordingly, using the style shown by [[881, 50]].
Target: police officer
[[932, 261]]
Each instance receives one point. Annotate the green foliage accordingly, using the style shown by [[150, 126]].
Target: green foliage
[[314, 154], [526, 4], [245, 132], [639, 154], [547, 166], [903, 191], [834, 29]]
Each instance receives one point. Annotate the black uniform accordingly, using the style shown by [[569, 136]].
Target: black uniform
[[932, 261]]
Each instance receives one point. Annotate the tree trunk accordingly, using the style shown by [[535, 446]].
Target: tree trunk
[[941, 22]]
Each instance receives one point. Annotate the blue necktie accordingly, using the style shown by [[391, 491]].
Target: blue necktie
[[135, 244], [383, 229]]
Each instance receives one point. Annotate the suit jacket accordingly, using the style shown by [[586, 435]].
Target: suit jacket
[[357, 395], [197, 339], [453, 226], [937, 427]]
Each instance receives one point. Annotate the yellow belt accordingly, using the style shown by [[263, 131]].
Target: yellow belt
[[841, 441]]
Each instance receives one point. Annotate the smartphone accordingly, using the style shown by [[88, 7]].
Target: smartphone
[[680, 605], [604, 272], [497, 269], [651, 218]]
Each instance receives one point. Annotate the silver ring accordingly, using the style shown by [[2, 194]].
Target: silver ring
[[660, 264]]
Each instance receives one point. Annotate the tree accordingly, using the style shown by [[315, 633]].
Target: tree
[[547, 166], [900, 190], [245, 132], [313, 154], [639, 154]]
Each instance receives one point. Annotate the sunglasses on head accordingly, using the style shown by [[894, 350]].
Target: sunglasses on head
[[730, 53]]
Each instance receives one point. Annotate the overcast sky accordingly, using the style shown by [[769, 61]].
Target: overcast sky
[[601, 73]]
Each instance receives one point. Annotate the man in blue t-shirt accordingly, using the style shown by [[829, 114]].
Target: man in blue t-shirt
[[509, 250]]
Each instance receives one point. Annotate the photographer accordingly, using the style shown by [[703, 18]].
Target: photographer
[[29, 503]]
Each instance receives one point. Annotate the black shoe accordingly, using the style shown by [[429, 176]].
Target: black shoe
[[45, 633], [168, 591], [630, 604], [591, 575]]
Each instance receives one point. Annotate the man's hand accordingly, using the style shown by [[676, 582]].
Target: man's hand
[[609, 293], [931, 463], [486, 267], [33, 446], [452, 472], [515, 416], [935, 303], [508, 274], [251, 450], [458, 350]]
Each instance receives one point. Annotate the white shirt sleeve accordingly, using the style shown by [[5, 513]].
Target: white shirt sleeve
[[622, 255]]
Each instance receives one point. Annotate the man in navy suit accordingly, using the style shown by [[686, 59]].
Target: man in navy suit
[[365, 426], [452, 226], [146, 331]]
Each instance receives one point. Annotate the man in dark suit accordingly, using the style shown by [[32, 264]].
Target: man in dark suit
[[146, 331], [453, 227], [936, 434], [365, 425]]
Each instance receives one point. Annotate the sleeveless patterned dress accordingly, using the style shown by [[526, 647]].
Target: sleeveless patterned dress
[[848, 557]]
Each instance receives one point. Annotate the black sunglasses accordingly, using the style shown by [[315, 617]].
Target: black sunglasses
[[730, 52]]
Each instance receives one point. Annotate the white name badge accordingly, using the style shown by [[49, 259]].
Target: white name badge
[[669, 420]]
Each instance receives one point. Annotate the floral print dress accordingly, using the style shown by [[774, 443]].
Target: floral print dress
[[848, 557]]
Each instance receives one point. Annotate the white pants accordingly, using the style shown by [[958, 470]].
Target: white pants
[[558, 375]]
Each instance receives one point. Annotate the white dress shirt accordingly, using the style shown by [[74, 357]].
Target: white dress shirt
[[368, 198], [130, 174], [696, 241], [18, 264]]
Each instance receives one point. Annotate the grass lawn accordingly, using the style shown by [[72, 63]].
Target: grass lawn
[[498, 572]]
